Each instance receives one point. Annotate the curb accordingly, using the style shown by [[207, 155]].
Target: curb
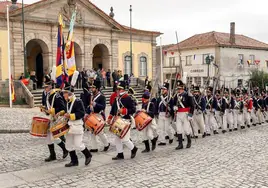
[[13, 131]]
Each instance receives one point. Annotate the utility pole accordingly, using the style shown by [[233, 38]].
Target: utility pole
[[131, 62], [23, 39]]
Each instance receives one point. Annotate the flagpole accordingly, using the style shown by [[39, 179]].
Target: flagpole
[[8, 52], [161, 61]]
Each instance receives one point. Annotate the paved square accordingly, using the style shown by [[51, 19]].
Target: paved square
[[236, 159]]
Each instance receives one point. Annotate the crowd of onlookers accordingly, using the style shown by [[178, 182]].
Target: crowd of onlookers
[[107, 78]]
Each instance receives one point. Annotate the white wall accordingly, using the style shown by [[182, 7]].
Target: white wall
[[229, 69]]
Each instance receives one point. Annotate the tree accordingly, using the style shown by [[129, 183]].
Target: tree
[[258, 79]]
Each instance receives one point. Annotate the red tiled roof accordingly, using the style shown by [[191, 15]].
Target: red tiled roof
[[103, 14], [3, 5], [213, 39]]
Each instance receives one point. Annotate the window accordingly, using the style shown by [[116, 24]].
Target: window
[[252, 59], [204, 58], [127, 65], [188, 60], [240, 59], [171, 61], [189, 80], [143, 66]]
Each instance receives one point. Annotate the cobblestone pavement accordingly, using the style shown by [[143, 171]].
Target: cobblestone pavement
[[236, 159]]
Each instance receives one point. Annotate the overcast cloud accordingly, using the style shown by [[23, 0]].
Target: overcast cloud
[[191, 17]]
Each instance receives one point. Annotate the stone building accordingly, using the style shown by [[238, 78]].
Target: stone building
[[234, 56], [100, 41]]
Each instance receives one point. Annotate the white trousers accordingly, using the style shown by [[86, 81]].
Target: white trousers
[[198, 123], [103, 138], [230, 118], [221, 119], [238, 118], [182, 123], [247, 116], [51, 140], [254, 116], [210, 122], [164, 127], [74, 142], [126, 141], [260, 116]]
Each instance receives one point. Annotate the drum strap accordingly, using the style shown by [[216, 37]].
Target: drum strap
[[69, 110], [163, 101], [52, 103], [95, 98], [148, 107]]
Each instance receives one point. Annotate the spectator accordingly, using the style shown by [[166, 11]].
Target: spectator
[[103, 74], [79, 80], [47, 77], [146, 82], [108, 78], [84, 77], [21, 76], [115, 76], [34, 79], [119, 75]]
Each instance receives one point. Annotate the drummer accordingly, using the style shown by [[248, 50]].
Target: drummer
[[124, 107], [97, 105], [75, 113], [55, 106], [148, 133]]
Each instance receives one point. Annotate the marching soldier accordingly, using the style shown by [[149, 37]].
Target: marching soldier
[[260, 108], [98, 105], [183, 106], [54, 107], [74, 138], [164, 116], [198, 117], [124, 107], [131, 93], [148, 132], [248, 107], [238, 110], [210, 119], [220, 112], [229, 109]]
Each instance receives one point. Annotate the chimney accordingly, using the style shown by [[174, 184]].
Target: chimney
[[14, 5], [112, 12], [232, 33]]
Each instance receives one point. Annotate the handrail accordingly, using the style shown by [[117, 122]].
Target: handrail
[[29, 98]]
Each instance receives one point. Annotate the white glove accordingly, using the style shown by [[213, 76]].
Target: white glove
[[175, 108]]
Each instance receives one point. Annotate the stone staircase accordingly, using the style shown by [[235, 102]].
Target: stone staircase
[[107, 93]]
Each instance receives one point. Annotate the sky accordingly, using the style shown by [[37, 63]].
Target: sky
[[190, 17]]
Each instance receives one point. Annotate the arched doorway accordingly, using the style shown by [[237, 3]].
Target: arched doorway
[[37, 59], [101, 58], [78, 56]]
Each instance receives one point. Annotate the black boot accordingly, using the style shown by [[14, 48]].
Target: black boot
[[63, 139], [154, 143], [180, 146], [106, 147], [94, 150], [204, 135], [119, 156], [189, 141], [65, 152], [52, 156], [133, 152], [74, 159], [147, 146], [88, 156]]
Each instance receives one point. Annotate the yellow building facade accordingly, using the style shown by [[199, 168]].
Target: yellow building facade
[[3, 55], [100, 41]]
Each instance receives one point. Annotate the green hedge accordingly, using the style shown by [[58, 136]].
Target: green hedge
[[5, 100]]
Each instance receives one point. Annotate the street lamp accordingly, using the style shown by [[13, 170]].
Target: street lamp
[[209, 59]]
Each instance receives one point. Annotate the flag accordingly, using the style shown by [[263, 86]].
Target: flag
[[71, 60], [13, 97], [65, 76], [71, 65], [61, 75]]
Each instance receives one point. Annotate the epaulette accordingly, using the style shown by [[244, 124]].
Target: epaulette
[[124, 96]]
